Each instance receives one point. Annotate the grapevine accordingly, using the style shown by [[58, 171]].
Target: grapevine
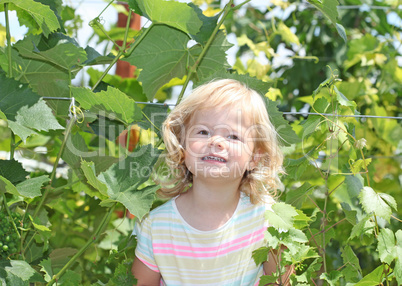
[[9, 238]]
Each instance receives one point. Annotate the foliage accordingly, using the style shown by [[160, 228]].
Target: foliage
[[68, 221]]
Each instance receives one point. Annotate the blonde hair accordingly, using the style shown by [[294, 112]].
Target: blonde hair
[[263, 180]]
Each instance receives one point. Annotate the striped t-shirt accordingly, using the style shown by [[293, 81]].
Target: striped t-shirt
[[183, 255]]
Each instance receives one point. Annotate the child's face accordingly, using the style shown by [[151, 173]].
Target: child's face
[[219, 144]]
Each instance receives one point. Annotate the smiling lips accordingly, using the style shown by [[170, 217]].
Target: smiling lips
[[213, 158]]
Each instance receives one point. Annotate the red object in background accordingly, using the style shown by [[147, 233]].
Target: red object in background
[[124, 69], [133, 140]]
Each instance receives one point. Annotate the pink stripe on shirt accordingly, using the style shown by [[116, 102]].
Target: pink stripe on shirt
[[205, 252]]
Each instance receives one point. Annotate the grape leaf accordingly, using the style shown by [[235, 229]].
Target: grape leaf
[[373, 278], [44, 17], [175, 14], [296, 197], [260, 255], [208, 25], [39, 117], [31, 188], [89, 171], [64, 55], [352, 270], [378, 203], [111, 103], [12, 171], [162, 55], [386, 245], [20, 269], [281, 216], [14, 95], [214, 59], [47, 269], [125, 177], [332, 278], [44, 78], [364, 226]]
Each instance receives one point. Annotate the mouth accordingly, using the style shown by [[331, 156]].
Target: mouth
[[213, 158]]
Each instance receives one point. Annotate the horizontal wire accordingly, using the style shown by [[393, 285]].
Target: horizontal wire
[[285, 112]]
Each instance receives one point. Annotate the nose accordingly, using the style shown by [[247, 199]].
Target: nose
[[216, 141]]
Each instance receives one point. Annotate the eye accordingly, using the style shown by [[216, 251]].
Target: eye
[[203, 132], [233, 137]]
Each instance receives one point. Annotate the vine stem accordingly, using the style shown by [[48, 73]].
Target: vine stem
[[92, 240], [8, 37], [9, 214], [228, 8], [53, 174]]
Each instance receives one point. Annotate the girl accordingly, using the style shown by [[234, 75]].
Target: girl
[[224, 156]]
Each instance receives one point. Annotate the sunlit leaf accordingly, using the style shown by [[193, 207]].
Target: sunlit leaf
[[373, 278], [281, 216], [175, 14], [41, 14], [378, 203], [386, 245], [32, 187], [111, 103]]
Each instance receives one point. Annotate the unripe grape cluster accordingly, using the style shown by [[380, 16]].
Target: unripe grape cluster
[[9, 240]]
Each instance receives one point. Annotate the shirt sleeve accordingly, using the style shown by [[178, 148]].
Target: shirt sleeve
[[144, 249]]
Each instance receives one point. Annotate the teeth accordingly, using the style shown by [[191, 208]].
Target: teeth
[[214, 158]]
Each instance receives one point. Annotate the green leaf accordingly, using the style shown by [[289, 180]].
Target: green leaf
[[378, 203], [124, 178], [341, 32], [281, 216], [365, 226], [18, 268], [296, 197], [95, 58], [7, 187], [260, 255], [14, 95], [354, 185], [64, 55], [13, 171], [214, 60], [31, 188], [89, 171], [351, 215], [37, 117], [41, 14], [70, 278], [342, 98], [287, 136], [162, 55], [38, 226], [287, 35], [111, 103], [268, 280], [122, 275], [174, 14], [208, 25], [386, 245], [375, 277], [352, 270], [398, 255], [44, 78], [47, 269], [332, 278], [327, 7]]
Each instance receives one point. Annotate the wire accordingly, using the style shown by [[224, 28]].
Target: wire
[[286, 112]]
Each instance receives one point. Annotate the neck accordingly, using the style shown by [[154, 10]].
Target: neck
[[215, 195]]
